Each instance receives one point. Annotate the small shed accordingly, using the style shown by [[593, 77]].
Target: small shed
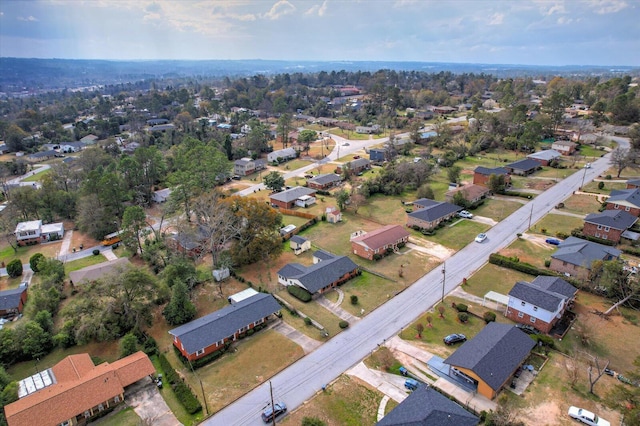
[[299, 244], [221, 274], [244, 294]]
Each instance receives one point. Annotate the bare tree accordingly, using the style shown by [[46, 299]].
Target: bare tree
[[620, 159], [595, 371], [571, 367]]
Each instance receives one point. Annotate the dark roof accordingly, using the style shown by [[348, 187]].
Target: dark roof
[[616, 219], [537, 296], [292, 194], [319, 275], [556, 285], [43, 154], [298, 239], [325, 179], [488, 172], [323, 255], [581, 252], [526, 164], [635, 182], [434, 211], [10, 299], [243, 162], [428, 407], [205, 331], [494, 354], [627, 196], [357, 163]]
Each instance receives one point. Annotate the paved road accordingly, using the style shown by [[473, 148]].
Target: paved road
[[303, 379]]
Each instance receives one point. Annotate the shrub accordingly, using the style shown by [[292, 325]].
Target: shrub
[[14, 268], [95, 252], [547, 262], [461, 307], [181, 390], [527, 268], [299, 293], [489, 317], [463, 316], [608, 177], [600, 185], [33, 261], [150, 346], [307, 320], [354, 299], [546, 340], [343, 324]]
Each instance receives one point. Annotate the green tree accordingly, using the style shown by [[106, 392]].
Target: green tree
[[496, 183], [180, 309], [128, 345], [134, 227], [9, 347], [274, 181], [45, 320], [36, 342], [554, 106], [14, 268], [342, 198], [33, 261], [306, 137], [283, 128], [453, 173], [51, 269]]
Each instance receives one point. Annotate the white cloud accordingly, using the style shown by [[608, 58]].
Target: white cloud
[[556, 8], [319, 10], [603, 7], [496, 19], [279, 9], [564, 21], [27, 19]]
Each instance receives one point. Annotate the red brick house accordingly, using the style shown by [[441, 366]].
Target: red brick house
[[430, 213], [471, 193], [608, 225], [206, 335], [481, 175], [625, 199], [564, 147], [327, 272], [575, 256], [324, 182], [633, 183], [377, 242], [297, 196], [12, 301]]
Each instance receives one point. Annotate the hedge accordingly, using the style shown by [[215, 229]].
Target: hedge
[[510, 263], [299, 293], [182, 391]]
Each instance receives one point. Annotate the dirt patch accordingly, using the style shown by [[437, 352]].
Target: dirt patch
[[539, 184], [434, 249], [547, 413]]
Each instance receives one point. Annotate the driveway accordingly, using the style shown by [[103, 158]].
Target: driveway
[[149, 405], [307, 344]]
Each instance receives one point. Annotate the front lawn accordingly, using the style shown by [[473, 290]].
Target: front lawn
[[552, 224], [456, 234], [529, 252], [581, 204], [124, 417], [7, 254], [494, 278], [74, 265], [316, 312], [607, 187], [497, 209], [371, 290]]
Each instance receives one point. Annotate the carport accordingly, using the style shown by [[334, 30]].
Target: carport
[[498, 298]]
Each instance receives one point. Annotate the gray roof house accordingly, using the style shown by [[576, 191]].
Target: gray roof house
[[324, 181], [486, 171], [491, 357], [545, 156], [524, 167], [633, 183], [12, 300], [321, 276], [575, 256], [427, 407], [287, 199], [285, 154], [625, 198], [429, 213], [615, 219], [193, 338]]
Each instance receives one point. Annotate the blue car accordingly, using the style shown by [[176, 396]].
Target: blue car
[[553, 241]]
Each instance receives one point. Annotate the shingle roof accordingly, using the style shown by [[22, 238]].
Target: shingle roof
[[547, 154], [494, 353], [616, 219], [319, 275], [525, 164], [470, 191], [582, 253], [223, 323], [44, 154], [284, 152], [434, 211], [298, 239], [323, 255], [556, 285], [381, 237], [427, 407], [292, 194], [535, 295], [96, 272], [635, 182], [357, 163], [630, 197], [325, 179], [488, 172], [10, 299]]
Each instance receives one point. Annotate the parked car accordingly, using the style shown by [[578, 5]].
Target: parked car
[[481, 237], [465, 214], [554, 241], [454, 338], [411, 384], [269, 413], [587, 417], [529, 329]]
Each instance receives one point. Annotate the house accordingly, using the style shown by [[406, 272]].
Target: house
[[244, 166], [430, 213], [368, 129], [481, 175], [575, 256], [12, 301], [545, 157], [523, 167], [379, 154], [188, 243], [328, 272], [324, 181], [162, 127], [68, 147], [444, 110], [299, 244], [490, 359], [43, 155], [3, 148], [355, 166], [203, 336], [427, 407], [157, 121], [33, 232], [75, 391], [374, 244], [633, 183], [625, 199], [540, 303], [608, 225], [296, 196], [99, 271], [564, 147], [282, 155], [241, 295], [471, 193], [333, 214], [161, 195]]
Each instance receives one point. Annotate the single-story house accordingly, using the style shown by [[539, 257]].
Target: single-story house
[[282, 155], [564, 147], [523, 167], [490, 359], [375, 243], [188, 243], [471, 193], [161, 195], [481, 175], [299, 244], [608, 225], [156, 121], [33, 232], [330, 271], [545, 157], [205, 335], [625, 199], [540, 303], [333, 214], [575, 256], [296, 196], [324, 181], [430, 213], [99, 271], [43, 155], [68, 147], [12, 301], [379, 154], [633, 183], [443, 110], [241, 295], [162, 127], [368, 129], [354, 166], [426, 406], [75, 391]]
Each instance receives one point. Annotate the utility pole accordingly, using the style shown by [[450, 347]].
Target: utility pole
[[204, 397], [583, 176], [273, 409], [530, 215], [444, 280]]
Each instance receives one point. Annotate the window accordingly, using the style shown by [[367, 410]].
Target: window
[[599, 227], [616, 206], [65, 423], [100, 407], [243, 329], [626, 209], [199, 352], [535, 308], [522, 303], [533, 319], [520, 315], [597, 235], [116, 398], [87, 414], [220, 342], [604, 236], [606, 229]]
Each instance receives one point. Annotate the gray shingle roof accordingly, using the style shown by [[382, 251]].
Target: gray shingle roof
[[292, 194], [556, 285], [319, 275], [536, 296], [10, 299], [357, 163], [547, 154], [434, 211], [494, 354], [44, 154], [526, 164], [582, 253], [298, 239], [629, 196], [635, 182], [323, 255], [426, 406], [325, 179], [616, 219], [205, 331], [488, 172]]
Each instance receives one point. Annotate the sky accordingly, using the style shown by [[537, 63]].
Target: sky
[[531, 32]]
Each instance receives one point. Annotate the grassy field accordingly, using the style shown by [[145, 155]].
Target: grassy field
[[347, 401], [591, 152], [581, 204], [371, 291], [497, 209], [529, 252], [294, 164], [37, 177], [124, 417], [312, 309], [551, 224], [494, 278], [174, 404], [74, 265], [550, 172], [7, 254], [457, 234], [606, 189], [349, 134]]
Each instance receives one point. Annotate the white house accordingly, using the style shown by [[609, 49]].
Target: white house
[[283, 154], [161, 195], [33, 232]]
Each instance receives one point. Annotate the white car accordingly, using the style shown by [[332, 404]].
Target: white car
[[465, 214], [481, 237], [587, 417]]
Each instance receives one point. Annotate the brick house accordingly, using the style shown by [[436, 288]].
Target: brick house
[[541, 303], [354, 166], [545, 157], [325, 181], [633, 183], [370, 244], [481, 175], [33, 232], [430, 213], [523, 167], [471, 193], [327, 272], [12, 301], [608, 225], [564, 147], [625, 199], [575, 256], [203, 336], [297, 196]]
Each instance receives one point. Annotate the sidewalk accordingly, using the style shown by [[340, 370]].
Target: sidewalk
[[337, 310]]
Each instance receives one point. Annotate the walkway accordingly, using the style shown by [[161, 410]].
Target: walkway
[[336, 309], [109, 254], [66, 243], [307, 344]]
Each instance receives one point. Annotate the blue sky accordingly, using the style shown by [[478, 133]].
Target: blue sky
[[536, 32]]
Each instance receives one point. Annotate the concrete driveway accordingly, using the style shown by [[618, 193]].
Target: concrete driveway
[[147, 402], [306, 343]]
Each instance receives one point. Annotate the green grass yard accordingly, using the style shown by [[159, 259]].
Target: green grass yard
[[456, 234], [552, 224], [74, 265]]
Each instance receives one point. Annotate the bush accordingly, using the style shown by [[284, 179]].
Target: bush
[[510, 263], [461, 307], [600, 185], [547, 262], [546, 340], [489, 317], [354, 299], [181, 390], [150, 346], [343, 324], [14, 268], [307, 320], [608, 177], [33, 261], [299, 293], [95, 252], [463, 316]]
